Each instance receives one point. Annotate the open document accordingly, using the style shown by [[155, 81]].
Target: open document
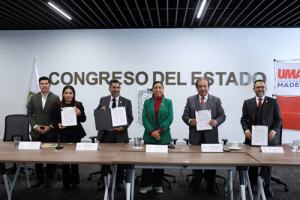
[[203, 117], [68, 116], [118, 116], [259, 136]]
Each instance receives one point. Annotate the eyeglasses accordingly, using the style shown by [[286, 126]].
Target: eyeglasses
[[262, 87]]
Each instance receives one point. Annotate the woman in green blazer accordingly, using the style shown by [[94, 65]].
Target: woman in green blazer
[[157, 118]]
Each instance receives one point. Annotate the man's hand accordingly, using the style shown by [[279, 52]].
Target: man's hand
[[212, 122], [193, 122], [60, 126], [78, 113], [271, 135], [103, 108], [38, 129], [249, 135], [47, 129], [119, 129]]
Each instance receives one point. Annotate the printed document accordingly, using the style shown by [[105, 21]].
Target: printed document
[[68, 116], [259, 136], [203, 117]]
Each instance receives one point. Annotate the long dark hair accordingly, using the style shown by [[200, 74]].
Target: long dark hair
[[63, 101]]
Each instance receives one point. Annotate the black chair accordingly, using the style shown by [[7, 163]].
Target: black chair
[[165, 175], [276, 178], [16, 125]]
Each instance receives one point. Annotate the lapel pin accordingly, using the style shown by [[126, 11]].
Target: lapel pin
[[266, 101], [120, 101], [162, 104]]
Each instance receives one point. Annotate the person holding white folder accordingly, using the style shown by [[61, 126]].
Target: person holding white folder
[[264, 111], [69, 133]]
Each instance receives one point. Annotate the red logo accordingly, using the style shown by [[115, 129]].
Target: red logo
[[288, 73]]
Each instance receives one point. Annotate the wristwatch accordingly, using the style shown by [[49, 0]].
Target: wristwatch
[[159, 131]]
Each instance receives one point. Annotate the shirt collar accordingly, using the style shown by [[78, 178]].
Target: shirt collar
[[263, 98], [46, 95], [205, 97], [117, 99]]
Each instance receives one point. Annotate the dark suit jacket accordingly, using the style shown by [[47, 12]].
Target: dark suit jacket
[[217, 113], [81, 118], [36, 115], [121, 136], [271, 117]]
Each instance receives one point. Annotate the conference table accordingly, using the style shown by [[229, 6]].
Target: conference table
[[186, 157], [182, 157], [68, 155]]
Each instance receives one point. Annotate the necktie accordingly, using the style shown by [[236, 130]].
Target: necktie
[[259, 103], [114, 103], [202, 101]]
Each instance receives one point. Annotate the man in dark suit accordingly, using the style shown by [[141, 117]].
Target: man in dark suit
[[203, 101], [264, 111], [116, 135], [39, 115]]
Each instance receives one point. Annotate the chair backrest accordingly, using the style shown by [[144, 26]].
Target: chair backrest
[[279, 136], [16, 125]]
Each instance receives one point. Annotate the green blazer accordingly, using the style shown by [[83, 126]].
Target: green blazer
[[36, 115], [165, 119]]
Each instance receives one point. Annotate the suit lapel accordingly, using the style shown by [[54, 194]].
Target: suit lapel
[[49, 97], [39, 100], [161, 106], [252, 107], [152, 107], [265, 106], [197, 102], [209, 102], [107, 101], [121, 102]]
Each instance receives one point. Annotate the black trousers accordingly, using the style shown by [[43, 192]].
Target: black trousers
[[150, 176], [111, 138], [50, 168], [70, 172], [265, 172], [209, 175]]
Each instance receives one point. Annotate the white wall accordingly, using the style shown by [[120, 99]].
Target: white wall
[[179, 50]]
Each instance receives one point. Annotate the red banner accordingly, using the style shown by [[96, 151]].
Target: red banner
[[290, 112]]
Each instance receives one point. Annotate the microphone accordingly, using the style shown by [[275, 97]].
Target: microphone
[[58, 142]]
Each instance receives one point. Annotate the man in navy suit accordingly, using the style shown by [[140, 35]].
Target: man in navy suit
[[116, 135], [264, 111]]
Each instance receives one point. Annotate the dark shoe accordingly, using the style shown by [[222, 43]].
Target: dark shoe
[[268, 191], [66, 187], [101, 185], [212, 190], [194, 189], [75, 187], [120, 187], [37, 184], [48, 184]]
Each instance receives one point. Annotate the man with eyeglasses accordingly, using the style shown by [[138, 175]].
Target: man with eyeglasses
[[261, 111]]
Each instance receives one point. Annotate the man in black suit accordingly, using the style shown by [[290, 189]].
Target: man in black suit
[[203, 101], [116, 135], [39, 115], [264, 111]]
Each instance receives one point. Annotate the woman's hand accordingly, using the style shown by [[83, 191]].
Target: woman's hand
[[156, 135], [60, 126], [78, 113]]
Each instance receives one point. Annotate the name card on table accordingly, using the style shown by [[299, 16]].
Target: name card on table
[[157, 148], [87, 146], [272, 149], [30, 145], [212, 147]]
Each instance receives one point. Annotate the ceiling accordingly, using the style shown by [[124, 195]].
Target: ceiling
[[124, 14]]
